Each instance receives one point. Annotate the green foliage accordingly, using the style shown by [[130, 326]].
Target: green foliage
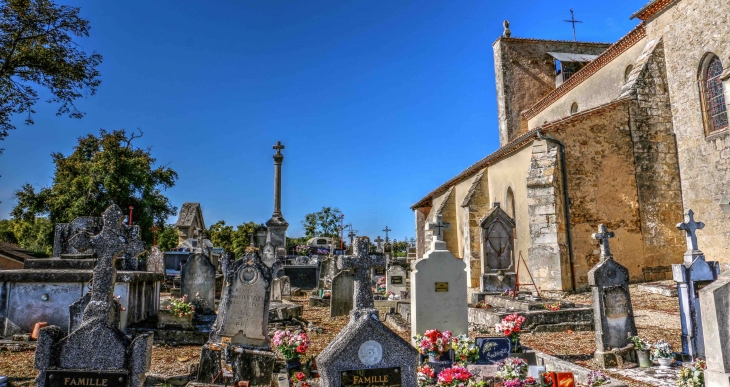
[[292, 243], [102, 171], [400, 249], [35, 236], [37, 48], [324, 223], [7, 231], [180, 306], [232, 240], [167, 237]]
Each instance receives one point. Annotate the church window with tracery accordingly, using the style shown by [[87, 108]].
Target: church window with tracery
[[714, 95]]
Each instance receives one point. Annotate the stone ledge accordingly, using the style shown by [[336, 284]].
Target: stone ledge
[[397, 323]]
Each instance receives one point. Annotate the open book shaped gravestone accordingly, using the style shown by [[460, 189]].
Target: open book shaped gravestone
[[97, 350]]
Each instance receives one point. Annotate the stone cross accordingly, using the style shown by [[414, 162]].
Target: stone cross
[[386, 230], [115, 238], [690, 227], [439, 227], [278, 147], [362, 263], [379, 240], [602, 236]]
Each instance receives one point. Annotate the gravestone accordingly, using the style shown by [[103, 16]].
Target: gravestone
[[327, 271], [612, 310], [438, 289], [691, 276], [304, 277], [238, 347], [498, 261], [493, 350], [395, 279], [65, 231], [285, 287], [276, 289], [343, 289], [715, 304], [156, 260], [366, 349], [197, 281], [378, 244], [97, 349]]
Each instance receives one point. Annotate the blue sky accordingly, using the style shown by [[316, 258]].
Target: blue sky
[[377, 102]]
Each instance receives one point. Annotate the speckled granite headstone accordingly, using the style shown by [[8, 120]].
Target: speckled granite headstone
[[197, 280], [156, 260], [327, 271], [97, 345], [366, 347]]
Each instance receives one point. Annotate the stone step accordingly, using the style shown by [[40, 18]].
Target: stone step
[[77, 256], [59, 264]]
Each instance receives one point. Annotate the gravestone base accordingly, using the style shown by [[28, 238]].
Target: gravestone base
[[608, 359], [319, 302], [252, 365], [492, 284], [284, 311], [523, 301], [719, 379], [579, 318]]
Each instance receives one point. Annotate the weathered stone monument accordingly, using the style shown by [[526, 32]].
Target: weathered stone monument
[[612, 309], [197, 281], [438, 288], [691, 276], [327, 271], [277, 226], [238, 348], [715, 307], [343, 289], [379, 244], [366, 349], [156, 260], [395, 279], [498, 260], [97, 349]]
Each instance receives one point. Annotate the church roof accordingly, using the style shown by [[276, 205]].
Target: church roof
[[651, 9]]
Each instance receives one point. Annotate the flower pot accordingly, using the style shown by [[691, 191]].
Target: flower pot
[[293, 364], [644, 359], [665, 362], [166, 319]]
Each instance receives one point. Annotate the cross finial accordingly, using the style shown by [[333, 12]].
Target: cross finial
[[573, 21], [386, 230], [438, 227], [690, 227], [602, 236], [278, 147], [362, 263]]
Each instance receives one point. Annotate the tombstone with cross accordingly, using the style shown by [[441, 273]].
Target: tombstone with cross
[[692, 275], [379, 246], [366, 348], [97, 346], [497, 251], [613, 314]]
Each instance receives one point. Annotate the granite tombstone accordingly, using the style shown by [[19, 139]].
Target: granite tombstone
[[343, 288], [197, 281]]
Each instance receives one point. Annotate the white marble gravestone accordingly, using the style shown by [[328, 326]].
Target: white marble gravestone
[[395, 279], [438, 291]]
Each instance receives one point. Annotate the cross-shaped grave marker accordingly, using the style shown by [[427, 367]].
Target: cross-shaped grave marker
[[602, 236], [690, 227], [379, 240], [438, 227], [386, 230], [115, 238], [362, 263]]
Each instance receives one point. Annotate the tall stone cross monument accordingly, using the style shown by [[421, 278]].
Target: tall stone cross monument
[[361, 264], [692, 275], [276, 226]]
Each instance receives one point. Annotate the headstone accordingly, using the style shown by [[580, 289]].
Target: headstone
[[285, 287], [304, 277], [612, 310], [197, 281], [238, 347], [493, 350], [97, 347], [691, 276], [438, 291], [156, 260], [327, 271], [498, 261], [343, 289], [276, 289], [366, 349], [715, 307], [395, 279]]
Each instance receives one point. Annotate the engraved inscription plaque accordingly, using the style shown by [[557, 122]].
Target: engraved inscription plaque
[[442, 287], [396, 280], [616, 302], [64, 378], [383, 377]]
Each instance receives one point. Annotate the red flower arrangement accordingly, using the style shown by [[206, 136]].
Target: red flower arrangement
[[454, 377]]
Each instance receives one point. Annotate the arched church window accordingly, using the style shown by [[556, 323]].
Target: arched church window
[[574, 108], [713, 95], [627, 72], [510, 201]]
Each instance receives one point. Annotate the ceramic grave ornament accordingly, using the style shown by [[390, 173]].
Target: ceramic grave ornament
[[366, 349], [97, 348], [238, 348], [691, 276], [612, 310]]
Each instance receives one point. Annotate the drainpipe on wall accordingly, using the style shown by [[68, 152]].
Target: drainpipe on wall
[[566, 200]]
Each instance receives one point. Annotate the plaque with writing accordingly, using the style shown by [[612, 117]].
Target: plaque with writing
[[396, 280], [493, 350], [379, 271], [616, 302], [65, 378], [442, 286], [371, 377]]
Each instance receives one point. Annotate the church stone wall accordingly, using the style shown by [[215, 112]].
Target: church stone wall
[[474, 206], [421, 215], [689, 29], [461, 190]]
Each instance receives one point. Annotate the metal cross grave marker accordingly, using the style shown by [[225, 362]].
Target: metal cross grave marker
[[690, 227], [602, 236]]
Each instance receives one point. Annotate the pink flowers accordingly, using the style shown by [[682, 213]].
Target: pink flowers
[[510, 324], [290, 345], [455, 377], [434, 342]]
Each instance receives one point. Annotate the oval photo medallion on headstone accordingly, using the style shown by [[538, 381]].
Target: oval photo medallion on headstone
[[370, 352], [248, 275]]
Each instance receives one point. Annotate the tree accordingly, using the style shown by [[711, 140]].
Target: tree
[[232, 240], [37, 48], [167, 237], [102, 171], [35, 236], [324, 223]]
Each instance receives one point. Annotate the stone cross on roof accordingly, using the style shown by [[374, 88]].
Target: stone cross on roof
[[602, 236], [690, 227], [438, 227], [362, 263], [114, 239]]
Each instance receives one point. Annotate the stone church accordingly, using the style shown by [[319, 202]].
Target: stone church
[[628, 134]]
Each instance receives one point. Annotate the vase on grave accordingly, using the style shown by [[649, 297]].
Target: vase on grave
[[665, 362], [515, 340], [644, 359]]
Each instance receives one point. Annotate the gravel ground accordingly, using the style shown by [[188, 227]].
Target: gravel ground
[[656, 317]]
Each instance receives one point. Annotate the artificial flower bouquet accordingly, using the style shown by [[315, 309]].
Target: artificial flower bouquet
[[425, 375], [181, 307], [511, 326], [482, 305], [662, 350], [302, 250], [692, 375], [554, 306], [434, 342], [597, 378], [465, 350], [289, 345], [456, 377], [512, 368], [639, 343]]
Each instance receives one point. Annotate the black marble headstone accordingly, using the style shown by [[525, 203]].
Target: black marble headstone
[[302, 277], [493, 350]]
